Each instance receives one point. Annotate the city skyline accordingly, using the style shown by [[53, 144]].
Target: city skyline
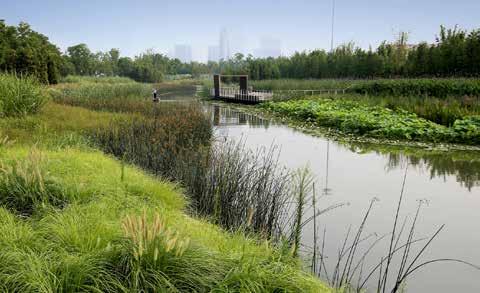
[[183, 52]]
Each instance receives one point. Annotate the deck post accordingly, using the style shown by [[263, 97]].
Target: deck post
[[216, 85], [244, 83]]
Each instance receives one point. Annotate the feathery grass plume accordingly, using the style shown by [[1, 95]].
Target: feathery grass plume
[[152, 240], [25, 185]]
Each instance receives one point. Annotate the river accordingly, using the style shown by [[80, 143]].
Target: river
[[449, 183]]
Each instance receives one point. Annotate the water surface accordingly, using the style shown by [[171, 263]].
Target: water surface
[[355, 174]]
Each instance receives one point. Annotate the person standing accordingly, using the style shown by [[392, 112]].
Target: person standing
[[155, 98]]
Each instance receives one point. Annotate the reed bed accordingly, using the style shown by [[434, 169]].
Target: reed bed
[[20, 95], [399, 87], [236, 188], [440, 100], [95, 79]]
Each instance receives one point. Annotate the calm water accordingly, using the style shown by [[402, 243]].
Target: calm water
[[356, 174]]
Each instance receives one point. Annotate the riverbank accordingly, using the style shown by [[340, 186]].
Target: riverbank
[[75, 219], [72, 237], [312, 128]]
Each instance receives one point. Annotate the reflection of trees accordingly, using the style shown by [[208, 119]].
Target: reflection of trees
[[223, 116], [464, 165], [467, 172]]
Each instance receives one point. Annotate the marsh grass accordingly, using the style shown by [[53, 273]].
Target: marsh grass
[[441, 111], [24, 186], [440, 100], [93, 79], [240, 188], [20, 95], [399, 87]]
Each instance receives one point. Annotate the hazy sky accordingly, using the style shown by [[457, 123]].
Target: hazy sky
[[133, 26]]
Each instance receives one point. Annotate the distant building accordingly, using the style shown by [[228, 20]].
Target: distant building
[[269, 47], [224, 45], [183, 52], [213, 53]]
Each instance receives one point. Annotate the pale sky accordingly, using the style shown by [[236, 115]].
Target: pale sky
[[134, 26]]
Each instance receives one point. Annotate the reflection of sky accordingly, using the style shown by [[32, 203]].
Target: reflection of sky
[[356, 177]]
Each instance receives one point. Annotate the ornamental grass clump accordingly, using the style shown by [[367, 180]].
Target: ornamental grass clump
[[20, 95], [26, 186], [152, 241]]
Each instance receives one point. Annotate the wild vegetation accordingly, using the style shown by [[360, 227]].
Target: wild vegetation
[[399, 87], [73, 219], [120, 231], [20, 95], [354, 117], [442, 101]]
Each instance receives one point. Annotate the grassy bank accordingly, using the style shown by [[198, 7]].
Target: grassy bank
[[74, 219], [354, 117], [117, 230]]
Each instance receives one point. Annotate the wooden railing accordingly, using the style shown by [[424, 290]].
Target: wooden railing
[[256, 96], [236, 94]]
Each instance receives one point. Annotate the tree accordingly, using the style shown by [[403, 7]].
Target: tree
[[82, 59]]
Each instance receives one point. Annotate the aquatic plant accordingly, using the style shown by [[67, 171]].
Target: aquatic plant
[[353, 117]]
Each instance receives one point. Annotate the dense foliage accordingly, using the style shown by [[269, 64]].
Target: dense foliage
[[456, 52], [174, 141], [425, 87], [25, 51], [20, 95], [440, 88], [441, 100], [356, 118]]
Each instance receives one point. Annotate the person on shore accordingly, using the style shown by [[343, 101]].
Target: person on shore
[[155, 98]]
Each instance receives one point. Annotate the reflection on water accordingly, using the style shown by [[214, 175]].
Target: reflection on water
[[465, 166], [356, 173], [223, 116]]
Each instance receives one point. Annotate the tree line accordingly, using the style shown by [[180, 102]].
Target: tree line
[[456, 52], [26, 52]]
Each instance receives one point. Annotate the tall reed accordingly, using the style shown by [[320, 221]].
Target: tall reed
[[20, 95]]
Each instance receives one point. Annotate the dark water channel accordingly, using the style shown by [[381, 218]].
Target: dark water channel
[[355, 174]]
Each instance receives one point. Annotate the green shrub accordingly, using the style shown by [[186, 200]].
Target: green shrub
[[20, 95]]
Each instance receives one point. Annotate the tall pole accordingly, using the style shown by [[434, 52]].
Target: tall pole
[[333, 24]]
